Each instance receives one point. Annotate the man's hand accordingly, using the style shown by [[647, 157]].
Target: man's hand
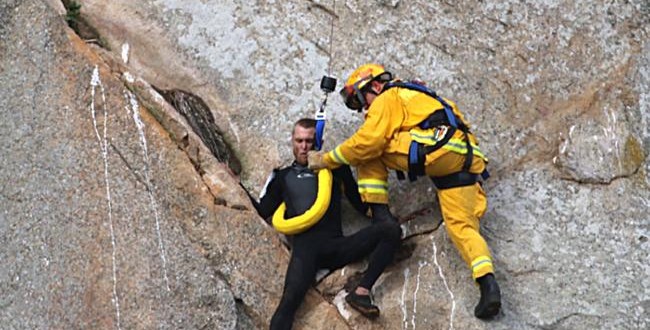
[[315, 160]]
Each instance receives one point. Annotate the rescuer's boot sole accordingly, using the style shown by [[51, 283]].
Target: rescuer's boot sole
[[490, 302]]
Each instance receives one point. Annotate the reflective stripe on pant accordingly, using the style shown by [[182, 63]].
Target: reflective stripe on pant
[[373, 181], [461, 207]]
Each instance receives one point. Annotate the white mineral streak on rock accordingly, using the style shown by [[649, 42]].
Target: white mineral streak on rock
[[402, 302], [415, 293], [125, 53], [134, 110], [129, 77], [613, 136], [339, 302], [404, 230], [444, 281], [103, 144]]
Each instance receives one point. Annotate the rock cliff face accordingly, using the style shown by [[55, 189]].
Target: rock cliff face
[[126, 146]]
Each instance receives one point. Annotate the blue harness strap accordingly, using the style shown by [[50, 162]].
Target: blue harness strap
[[320, 129], [414, 160]]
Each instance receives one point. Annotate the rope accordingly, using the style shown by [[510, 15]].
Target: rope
[[328, 84], [329, 63]]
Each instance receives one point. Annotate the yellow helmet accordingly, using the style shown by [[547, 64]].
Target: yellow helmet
[[353, 90]]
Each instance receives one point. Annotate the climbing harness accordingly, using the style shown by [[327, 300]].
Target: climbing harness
[[434, 133], [306, 220]]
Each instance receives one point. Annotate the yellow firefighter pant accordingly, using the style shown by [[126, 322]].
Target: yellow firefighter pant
[[461, 207]]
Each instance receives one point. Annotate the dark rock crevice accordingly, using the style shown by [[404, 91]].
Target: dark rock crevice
[[81, 27], [329, 11], [200, 118], [244, 319]]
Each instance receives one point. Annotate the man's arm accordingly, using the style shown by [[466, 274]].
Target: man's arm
[[350, 188], [271, 197]]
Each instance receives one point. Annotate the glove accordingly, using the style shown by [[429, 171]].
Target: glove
[[315, 160]]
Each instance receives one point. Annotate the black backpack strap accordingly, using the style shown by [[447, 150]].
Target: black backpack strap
[[458, 179]]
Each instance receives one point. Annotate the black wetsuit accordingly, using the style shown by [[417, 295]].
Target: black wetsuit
[[323, 245]]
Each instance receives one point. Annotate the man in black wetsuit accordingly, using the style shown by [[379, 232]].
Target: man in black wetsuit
[[323, 245]]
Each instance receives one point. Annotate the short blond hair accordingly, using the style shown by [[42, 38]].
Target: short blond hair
[[304, 123]]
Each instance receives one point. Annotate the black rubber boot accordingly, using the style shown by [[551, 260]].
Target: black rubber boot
[[490, 302], [363, 304]]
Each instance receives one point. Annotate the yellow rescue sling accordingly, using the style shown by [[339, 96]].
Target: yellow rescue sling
[[302, 222]]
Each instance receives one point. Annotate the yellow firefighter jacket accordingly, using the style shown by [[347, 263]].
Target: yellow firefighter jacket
[[388, 129]]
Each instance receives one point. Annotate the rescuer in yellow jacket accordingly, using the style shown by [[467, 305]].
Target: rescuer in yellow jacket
[[408, 127]]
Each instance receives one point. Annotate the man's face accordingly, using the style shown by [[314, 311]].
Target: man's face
[[302, 140]]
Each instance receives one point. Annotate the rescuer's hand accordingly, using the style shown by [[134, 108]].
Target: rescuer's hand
[[315, 160]]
